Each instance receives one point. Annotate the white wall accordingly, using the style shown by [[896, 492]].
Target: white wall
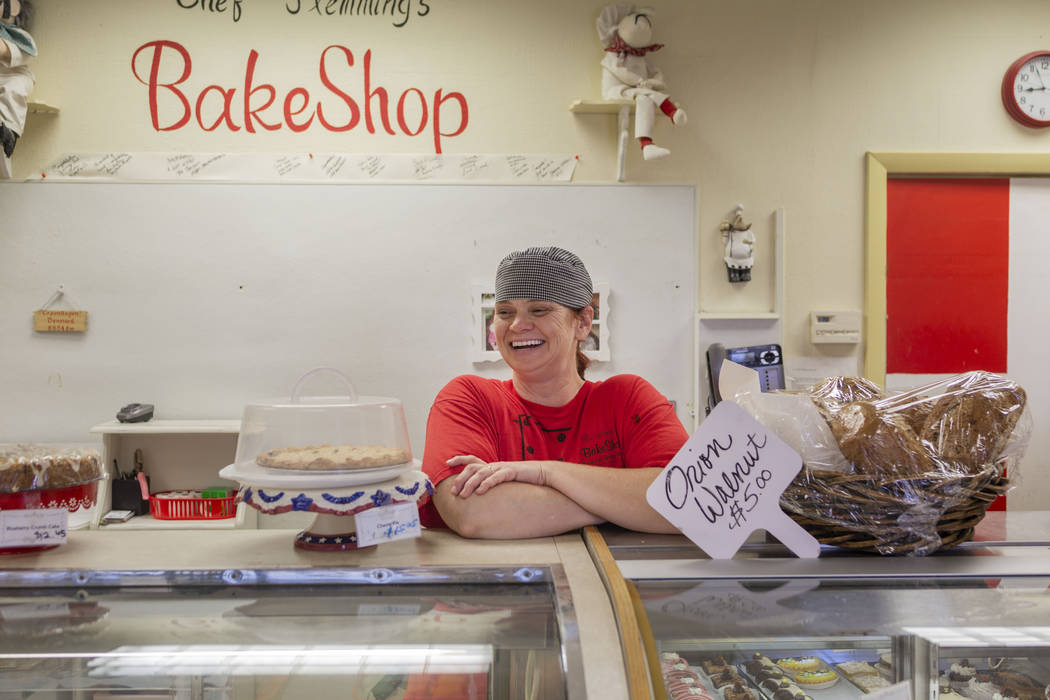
[[784, 98], [206, 296]]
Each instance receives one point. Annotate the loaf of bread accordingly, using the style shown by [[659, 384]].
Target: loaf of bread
[[835, 392], [971, 422], [880, 441]]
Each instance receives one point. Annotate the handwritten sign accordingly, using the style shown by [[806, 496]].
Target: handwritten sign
[[47, 321], [32, 528], [726, 482], [387, 523]]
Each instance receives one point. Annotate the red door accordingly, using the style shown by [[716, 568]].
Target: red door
[[947, 276]]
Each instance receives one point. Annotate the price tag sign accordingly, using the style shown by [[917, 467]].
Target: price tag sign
[[726, 482], [32, 528], [387, 523]]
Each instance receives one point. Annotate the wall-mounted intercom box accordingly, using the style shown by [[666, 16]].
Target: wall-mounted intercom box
[[834, 326]]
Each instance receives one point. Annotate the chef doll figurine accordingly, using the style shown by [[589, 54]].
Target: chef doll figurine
[[627, 35], [739, 244], [16, 80]]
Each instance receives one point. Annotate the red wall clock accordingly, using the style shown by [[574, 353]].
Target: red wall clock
[[1026, 89]]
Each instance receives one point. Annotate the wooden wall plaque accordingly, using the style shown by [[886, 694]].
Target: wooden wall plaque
[[47, 321]]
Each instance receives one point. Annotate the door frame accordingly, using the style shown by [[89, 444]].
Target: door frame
[[881, 166]]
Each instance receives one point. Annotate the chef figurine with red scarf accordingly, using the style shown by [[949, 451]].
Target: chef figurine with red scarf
[[626, 32], [16, 80]]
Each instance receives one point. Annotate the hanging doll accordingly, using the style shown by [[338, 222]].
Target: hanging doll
[[739, 244], [627, 35], [16, 80]]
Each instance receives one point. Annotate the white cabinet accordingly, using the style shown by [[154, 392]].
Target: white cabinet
[[176, 454]]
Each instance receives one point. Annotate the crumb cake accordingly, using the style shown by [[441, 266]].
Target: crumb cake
[[27, 467]]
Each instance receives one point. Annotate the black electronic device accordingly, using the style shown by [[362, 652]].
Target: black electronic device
[[135, 413], [767, 360]]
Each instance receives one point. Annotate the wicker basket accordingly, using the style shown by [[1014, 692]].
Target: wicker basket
[[906, 516]]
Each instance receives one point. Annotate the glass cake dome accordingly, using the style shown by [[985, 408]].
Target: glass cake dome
[[323, 433]]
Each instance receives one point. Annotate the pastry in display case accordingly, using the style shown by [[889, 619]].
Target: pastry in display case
[[336, 456]]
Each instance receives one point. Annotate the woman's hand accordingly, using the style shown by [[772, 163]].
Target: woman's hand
[[478, 476]]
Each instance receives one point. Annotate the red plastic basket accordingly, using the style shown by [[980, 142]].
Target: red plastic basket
[[191, 507]]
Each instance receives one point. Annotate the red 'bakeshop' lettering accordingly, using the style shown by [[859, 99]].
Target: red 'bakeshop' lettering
[[216, 106]]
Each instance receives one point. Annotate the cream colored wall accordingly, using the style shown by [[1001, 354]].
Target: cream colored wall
[[784, 99]]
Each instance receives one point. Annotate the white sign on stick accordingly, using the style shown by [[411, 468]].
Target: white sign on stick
[[726, 482]]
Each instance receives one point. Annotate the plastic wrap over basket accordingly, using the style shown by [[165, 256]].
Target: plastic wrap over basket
[[902, 473]]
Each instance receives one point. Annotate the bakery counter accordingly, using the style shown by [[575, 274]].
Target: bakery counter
[[972, 621], [244, 613]]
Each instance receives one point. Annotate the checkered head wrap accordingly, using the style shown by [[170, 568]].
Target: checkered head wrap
[[544, 274]]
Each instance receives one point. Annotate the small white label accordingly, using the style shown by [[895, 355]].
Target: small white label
[[387, 523], [33, 528], [726, 482]]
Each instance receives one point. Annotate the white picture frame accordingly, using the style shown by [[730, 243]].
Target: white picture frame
[[596, 347]]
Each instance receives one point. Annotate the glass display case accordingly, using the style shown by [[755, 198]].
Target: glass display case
[[357, 633], [972, 622]]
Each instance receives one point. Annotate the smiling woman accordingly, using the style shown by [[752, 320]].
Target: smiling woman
[[546, 451]]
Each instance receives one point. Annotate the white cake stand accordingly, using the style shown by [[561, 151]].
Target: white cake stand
[[331, 495]]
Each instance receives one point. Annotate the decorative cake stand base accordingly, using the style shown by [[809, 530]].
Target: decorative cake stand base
[[328, 533], [334, 500]]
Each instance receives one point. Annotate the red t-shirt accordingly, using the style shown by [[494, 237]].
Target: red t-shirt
[[621, 422]]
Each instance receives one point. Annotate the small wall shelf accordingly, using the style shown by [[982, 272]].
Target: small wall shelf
[[165, 427], [42, 108], [621, 108], [741, 315]]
